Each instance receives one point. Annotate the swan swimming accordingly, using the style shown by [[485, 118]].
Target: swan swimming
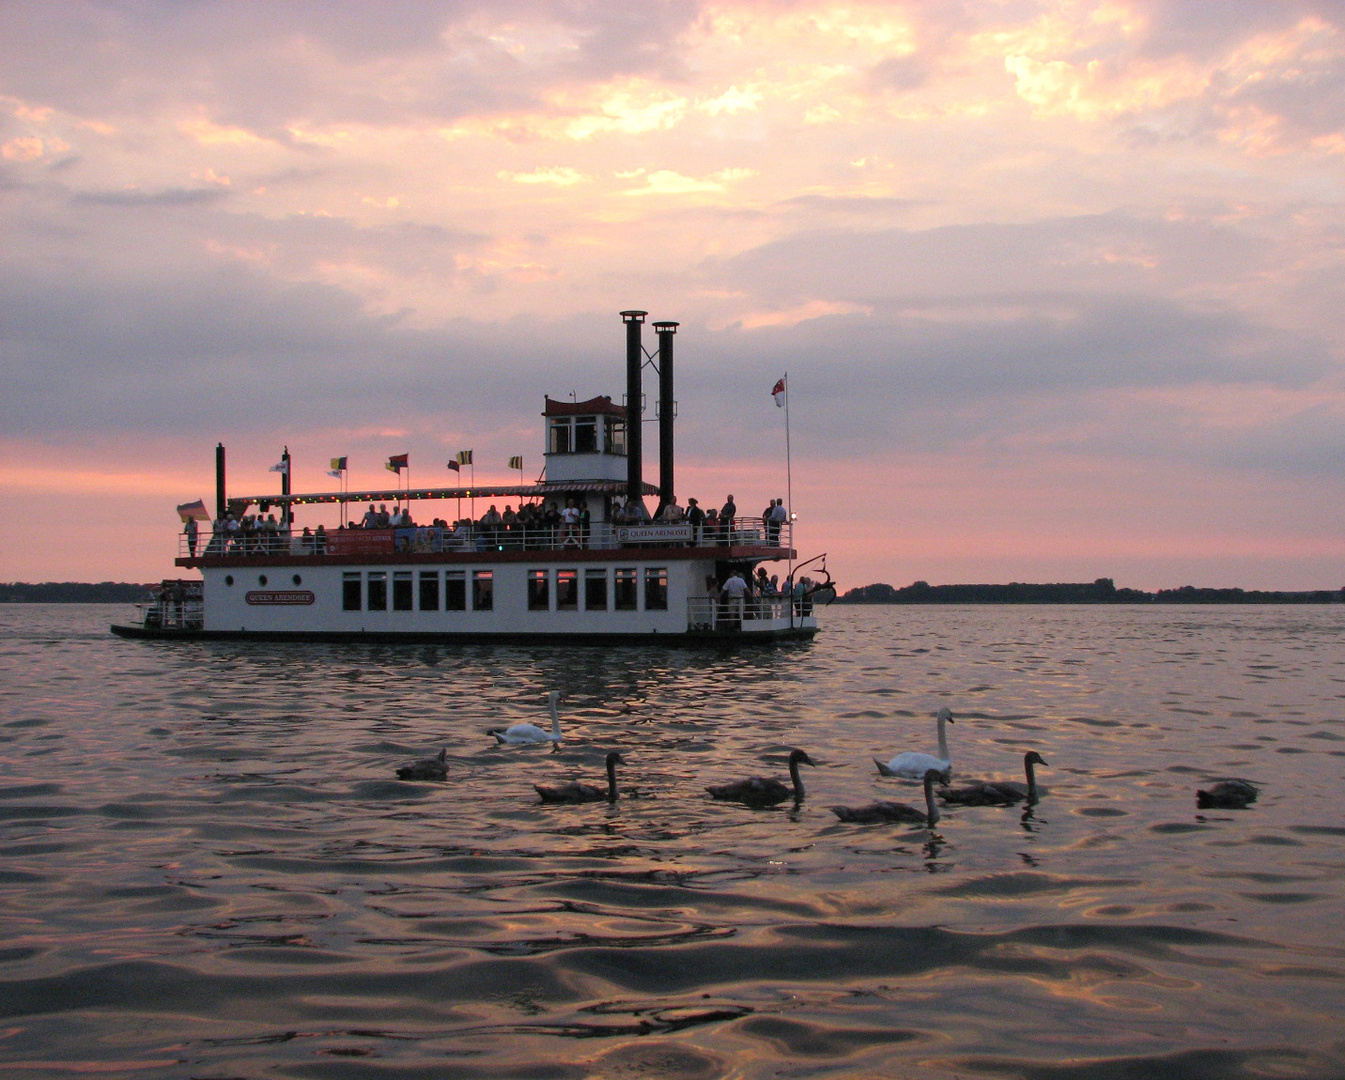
[[765, 791], [435, 768], [998, 792], [878, 812], [531, 734], [1227, 795], [576, 792], [913, 765]]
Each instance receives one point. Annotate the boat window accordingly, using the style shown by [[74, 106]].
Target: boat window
[[483, 590], [615, 443], [567, 590], [350, 592], [625, 591], [455, 590], [539, 598], [429, 590], [228, 579], [261, 579], [562, 436], [585, 434], [401, 591], [297, 579], [656, 588], [378, 591], [595, 590]]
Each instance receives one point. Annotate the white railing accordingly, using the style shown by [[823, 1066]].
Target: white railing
[[712, 613], [480, 538]]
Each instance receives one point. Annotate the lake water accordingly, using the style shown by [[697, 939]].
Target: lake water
[[207, 868]]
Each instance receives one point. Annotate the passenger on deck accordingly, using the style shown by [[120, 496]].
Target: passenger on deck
[[370, 519], [735, 589], [727, 513], [673, 514], [192, 532], [384, 518], [779, 515], [711, 526], [320, 541], [696, 519], [569, 525]]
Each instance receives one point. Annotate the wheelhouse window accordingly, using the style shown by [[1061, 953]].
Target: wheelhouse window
[[429, 590], [625, 592], [656, 588], [350, 591], [585, 434], [579, 435], [616, 435], [595, 590], [377, 595], [539, 592], [401, 591], [483, 590], [567, 590], [455, 590]]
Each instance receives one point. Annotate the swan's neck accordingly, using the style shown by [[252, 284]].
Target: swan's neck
[[943, 739], [797, 779], [611, 781], [1031, 770], [555, 719], [931, 807]]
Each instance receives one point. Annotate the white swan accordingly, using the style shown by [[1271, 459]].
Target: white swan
[[914, 765], [531, 734]]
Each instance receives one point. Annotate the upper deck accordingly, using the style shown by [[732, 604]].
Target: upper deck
[[750, 539]]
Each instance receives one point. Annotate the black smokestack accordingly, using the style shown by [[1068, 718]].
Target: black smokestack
[[634, 321], [667, 412], [221, 503]]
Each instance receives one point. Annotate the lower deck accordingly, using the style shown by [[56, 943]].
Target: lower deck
[[644, 594]]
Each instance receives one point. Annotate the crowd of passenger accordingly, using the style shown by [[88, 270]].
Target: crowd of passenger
[[534, 525]]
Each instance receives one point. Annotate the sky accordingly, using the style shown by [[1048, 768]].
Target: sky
[[1057, 284]]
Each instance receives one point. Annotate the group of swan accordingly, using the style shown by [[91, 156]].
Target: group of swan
[[762, 791]]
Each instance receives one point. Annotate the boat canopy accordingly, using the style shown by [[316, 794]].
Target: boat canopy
[[489, 491]]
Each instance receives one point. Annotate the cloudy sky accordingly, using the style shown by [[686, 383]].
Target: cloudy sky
[[1057, 283]]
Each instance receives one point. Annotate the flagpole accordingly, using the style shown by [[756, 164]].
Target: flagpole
[[789, 481]]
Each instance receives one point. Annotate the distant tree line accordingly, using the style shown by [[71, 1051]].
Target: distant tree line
[[1101, 591], [72, 592]]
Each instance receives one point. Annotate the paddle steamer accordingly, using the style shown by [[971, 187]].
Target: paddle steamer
[[621, 573]]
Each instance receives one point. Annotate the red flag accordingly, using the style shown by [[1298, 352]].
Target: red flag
[[778, 392], [397, 463]]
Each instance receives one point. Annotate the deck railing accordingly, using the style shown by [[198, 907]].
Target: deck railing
[[479, 538], [711, 613]]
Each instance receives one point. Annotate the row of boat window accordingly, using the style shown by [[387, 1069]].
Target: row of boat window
[[593, 589]]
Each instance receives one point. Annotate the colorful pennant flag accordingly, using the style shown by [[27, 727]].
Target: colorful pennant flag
[[338, 464], [464, 457], [194, 510], [281, 466], [516, 463], [778, 393], [397, 463], [455, 466]]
